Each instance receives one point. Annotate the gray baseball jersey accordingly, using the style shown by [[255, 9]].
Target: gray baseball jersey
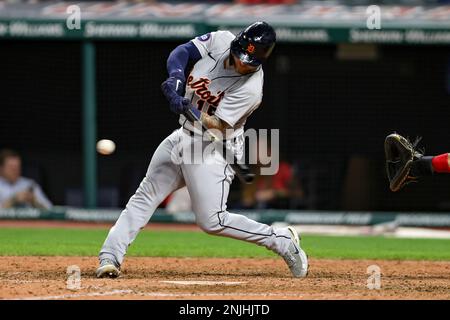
[[216, 88]]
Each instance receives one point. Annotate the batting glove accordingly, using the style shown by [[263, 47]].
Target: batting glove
[[170, 89]]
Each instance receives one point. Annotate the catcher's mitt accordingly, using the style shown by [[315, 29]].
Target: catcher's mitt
[[400, 154]]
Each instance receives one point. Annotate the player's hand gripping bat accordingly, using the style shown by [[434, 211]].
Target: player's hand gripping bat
[[242, 170]]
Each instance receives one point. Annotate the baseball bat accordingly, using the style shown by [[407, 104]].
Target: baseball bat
[[241, 169]]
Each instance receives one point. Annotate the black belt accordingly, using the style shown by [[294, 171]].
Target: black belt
[[191, 133]]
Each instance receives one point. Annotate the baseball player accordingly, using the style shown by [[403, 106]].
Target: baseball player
[[404, 164], [223, 88]]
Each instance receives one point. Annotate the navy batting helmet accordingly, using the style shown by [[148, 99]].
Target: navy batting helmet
[[254, 44]]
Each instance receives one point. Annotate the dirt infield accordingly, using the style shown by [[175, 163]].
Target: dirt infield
[[88, 225], [211, 278], [205, 278]]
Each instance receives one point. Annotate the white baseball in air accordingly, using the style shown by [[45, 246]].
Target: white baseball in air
[[106, 146]]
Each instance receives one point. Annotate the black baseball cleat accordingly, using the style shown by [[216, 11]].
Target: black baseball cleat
[[107, 269]]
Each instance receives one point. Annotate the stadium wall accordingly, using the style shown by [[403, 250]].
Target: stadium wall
[[334, 101]]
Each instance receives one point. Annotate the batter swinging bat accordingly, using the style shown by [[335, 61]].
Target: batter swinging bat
[[242, 170]]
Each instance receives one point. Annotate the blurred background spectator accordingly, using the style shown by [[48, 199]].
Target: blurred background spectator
[[15, 190], [279, 191], [273, 191]]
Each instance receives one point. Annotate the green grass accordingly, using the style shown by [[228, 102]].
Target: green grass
[[77, 242]]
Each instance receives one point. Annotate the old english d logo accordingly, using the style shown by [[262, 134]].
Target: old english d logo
[[250, 48]]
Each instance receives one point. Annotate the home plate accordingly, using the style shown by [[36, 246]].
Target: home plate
[[206, 283]]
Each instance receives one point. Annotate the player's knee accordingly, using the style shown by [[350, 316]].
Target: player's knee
[[211, 225]]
